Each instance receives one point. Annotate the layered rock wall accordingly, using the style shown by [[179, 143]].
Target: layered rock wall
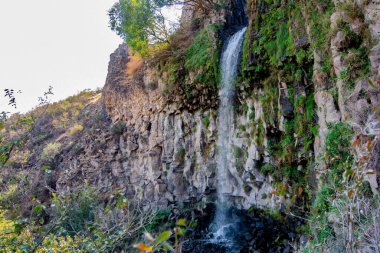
[[165, 154]]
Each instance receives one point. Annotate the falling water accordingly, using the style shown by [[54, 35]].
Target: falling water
[[229, 67]]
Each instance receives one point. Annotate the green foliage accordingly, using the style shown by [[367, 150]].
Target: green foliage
[[143, 25], [192, 66], [321, 203], [76, 211], [203, 56], [247, 188], [338, 154], [275, 44], [50, 151], [118, 128], [19, 124], [180, 155], [76, 129], [160, 219], [166, 241], [241, 156], [238, 152], [260, 133], [252, 115], [206, 121], [243, 128], [138, 22], [268, 168], [269, 100]]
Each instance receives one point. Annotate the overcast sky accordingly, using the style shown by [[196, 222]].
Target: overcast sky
[[62, 43]]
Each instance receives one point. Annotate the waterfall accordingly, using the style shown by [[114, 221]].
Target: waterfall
[[229, 67]]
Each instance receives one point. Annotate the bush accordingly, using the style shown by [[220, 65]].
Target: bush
[[338, 145], [118, 128], [206, 121], [76, 211], [203, 55], [75, 129], [180, 155], [50, 151]]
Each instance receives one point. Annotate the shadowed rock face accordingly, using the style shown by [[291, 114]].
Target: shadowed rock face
[[237, 14], [253, 231]]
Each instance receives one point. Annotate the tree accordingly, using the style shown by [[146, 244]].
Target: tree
[[25, 123], [142, 24], [139, 22]]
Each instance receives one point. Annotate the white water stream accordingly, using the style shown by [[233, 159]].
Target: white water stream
[[229, 68]]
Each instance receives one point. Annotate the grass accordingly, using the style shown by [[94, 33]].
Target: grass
[[338, 151], [203, 56]]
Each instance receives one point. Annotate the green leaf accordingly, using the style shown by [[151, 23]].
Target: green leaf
[[180, 231], [371, 83], [193, 224], [164, 236], [166, 246], [182, 223]]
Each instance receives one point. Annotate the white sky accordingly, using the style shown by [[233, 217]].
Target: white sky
[[63, 43]]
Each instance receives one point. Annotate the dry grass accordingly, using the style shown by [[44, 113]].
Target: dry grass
[[134, 64]]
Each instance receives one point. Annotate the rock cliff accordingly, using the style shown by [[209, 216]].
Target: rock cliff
[[305, 67], [166, 152]]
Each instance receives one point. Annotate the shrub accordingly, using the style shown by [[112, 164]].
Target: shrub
[[268, 168], [206, 121], [203, 55], [180, 155], [50, 151], [322, 200], [338, 143], [75, 211], [75, 129], [118, 128]]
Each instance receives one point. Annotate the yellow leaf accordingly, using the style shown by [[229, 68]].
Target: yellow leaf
[[357, 142], [182, 223], [142, 247], [350, 193], [300, 191], [369, 145]]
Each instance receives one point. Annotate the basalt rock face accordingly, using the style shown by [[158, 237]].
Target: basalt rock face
[[167, 153]]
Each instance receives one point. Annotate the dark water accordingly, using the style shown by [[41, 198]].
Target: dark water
[[253, 231]]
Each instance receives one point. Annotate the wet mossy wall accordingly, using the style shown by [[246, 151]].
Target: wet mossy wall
[[277, 73]]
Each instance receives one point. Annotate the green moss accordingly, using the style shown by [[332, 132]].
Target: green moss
[[352, 9], [203, 56], [238, 152], [252, 115], [310, 107], [245, 108], [268, 168], [160, 219], [241, 156], [274, 42], [247, 188], [206, 121], [292, 173], [269, 101], [321, 203], [260, 133], [338, 146], [281, 189], [243, 128], [180, 155]]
